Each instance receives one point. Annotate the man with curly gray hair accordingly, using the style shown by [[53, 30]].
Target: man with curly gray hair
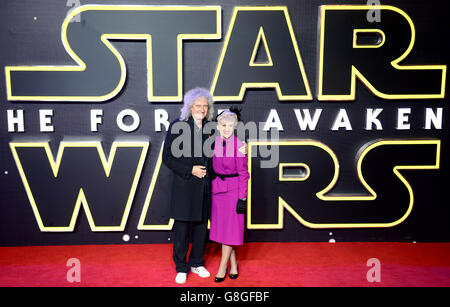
[[190, 194], [189, 99]]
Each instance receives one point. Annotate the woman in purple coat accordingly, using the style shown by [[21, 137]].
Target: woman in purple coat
[[229, 187]]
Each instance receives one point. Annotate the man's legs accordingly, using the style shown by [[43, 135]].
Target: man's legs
[[180, 245], [199, 232]]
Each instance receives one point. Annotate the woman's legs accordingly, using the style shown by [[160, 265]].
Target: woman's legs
[[226, 253], [233, 262]]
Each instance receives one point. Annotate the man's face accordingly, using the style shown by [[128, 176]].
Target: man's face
[[200, 108]]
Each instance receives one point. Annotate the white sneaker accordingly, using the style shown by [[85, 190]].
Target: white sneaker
[[200, 271], [181, 278]]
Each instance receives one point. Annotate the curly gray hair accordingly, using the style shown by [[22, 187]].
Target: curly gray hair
[[190, 97]]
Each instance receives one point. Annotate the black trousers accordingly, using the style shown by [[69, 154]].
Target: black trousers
[[183, 232]]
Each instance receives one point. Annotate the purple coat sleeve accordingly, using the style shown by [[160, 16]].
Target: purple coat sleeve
[[242, 170]]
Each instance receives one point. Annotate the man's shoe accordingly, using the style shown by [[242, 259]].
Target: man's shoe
[[200, 271], [181, 278]]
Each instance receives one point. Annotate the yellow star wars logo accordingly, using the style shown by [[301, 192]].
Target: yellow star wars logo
[[105, 186], [342, 60]]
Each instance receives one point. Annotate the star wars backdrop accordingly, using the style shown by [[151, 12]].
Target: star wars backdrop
[[343, 106]]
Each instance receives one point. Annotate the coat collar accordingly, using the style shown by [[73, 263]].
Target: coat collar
[[191, 120]]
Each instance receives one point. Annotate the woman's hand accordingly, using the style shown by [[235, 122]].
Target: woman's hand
[[244, 149], [199, 171]]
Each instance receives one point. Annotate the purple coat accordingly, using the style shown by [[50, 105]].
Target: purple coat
[[227, 227]]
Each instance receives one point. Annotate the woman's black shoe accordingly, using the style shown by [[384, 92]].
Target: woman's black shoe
[[219, 279], [233, 276]]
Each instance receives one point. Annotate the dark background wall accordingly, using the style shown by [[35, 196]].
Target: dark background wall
[[30, 34]]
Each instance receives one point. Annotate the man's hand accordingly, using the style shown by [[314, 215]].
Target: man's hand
[[199, 171]]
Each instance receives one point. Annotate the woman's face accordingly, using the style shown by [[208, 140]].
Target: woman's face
[[226, 128], [199, 108]]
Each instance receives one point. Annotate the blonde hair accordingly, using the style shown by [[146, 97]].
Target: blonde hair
[[227, 116]]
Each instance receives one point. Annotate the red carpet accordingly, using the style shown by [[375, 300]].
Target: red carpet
[[260, 265]]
